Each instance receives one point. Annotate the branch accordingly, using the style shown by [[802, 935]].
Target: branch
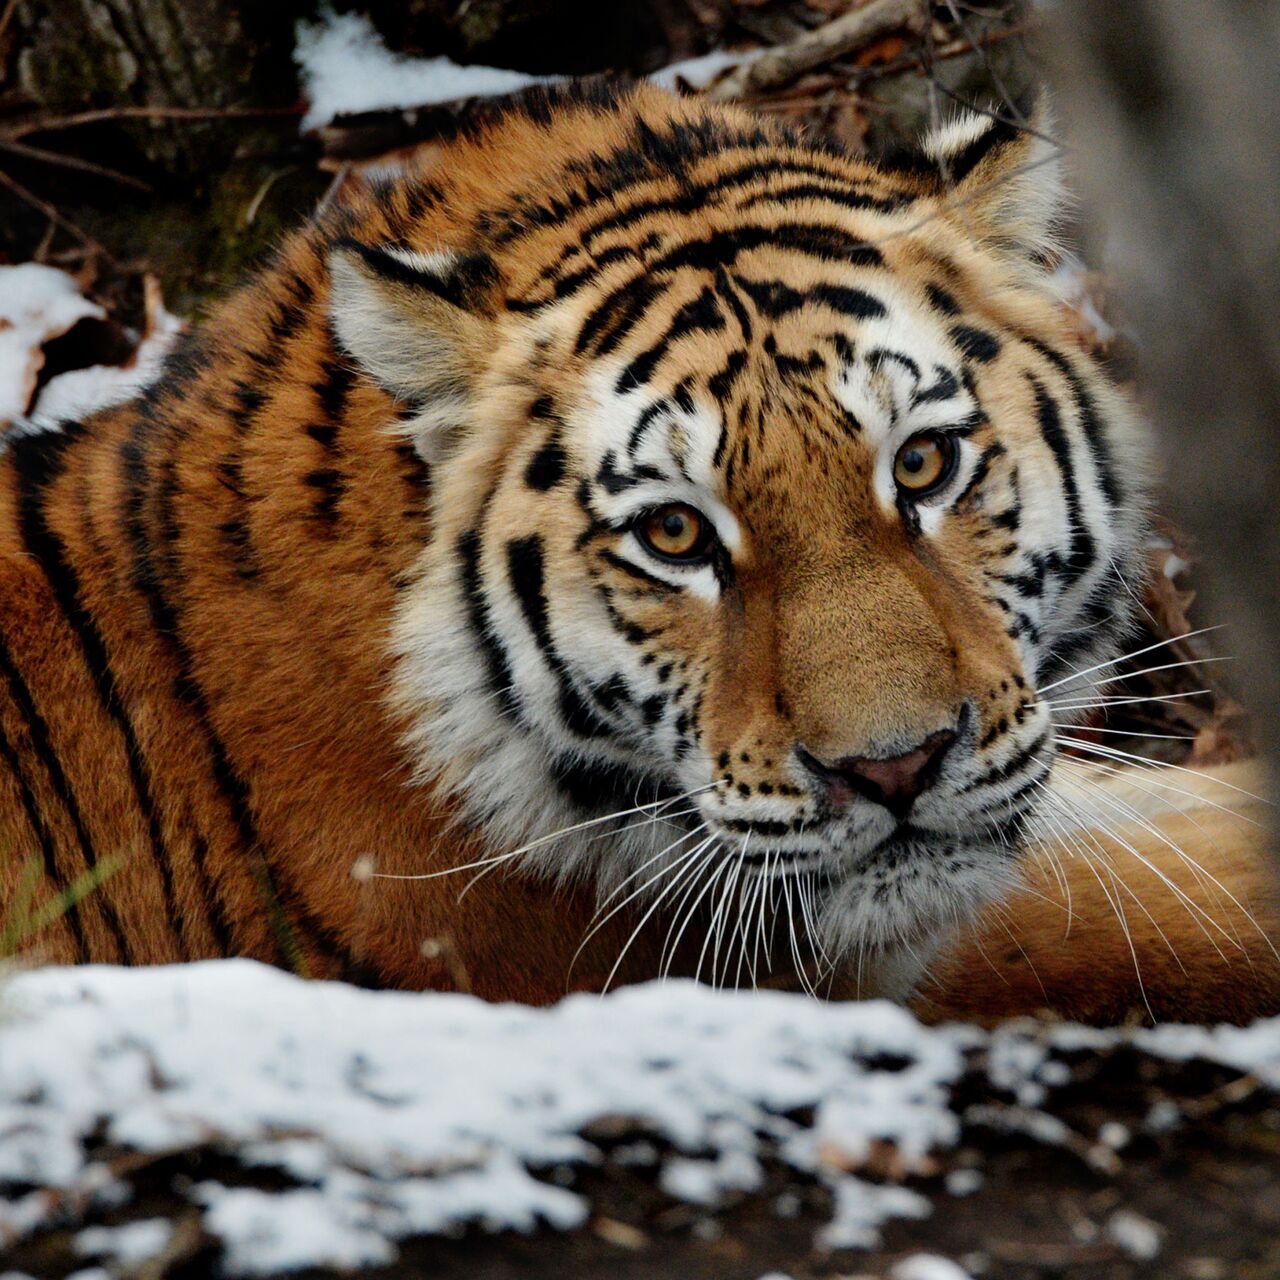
[[70, 162], [54, 216], [832, 40], [48, 124]]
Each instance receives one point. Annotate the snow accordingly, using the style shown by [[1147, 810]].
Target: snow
[[927, 1266], [861, 1207], [963, 1182], [346, 70], [80, 391], [699, 72], [406, 1114], [37, 303], [397, 1114], [1137, 1236], [126, 1247]]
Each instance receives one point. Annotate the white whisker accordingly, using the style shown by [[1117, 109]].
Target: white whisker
[[543, 840], [1124, 657]]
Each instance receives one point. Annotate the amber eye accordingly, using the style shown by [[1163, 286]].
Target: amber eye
[[924, 464], [675, 532]]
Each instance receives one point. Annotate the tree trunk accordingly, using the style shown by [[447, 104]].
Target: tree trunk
[[78, 54], [1173, 107]]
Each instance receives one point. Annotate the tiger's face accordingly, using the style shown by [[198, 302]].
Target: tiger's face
[[757, 526]]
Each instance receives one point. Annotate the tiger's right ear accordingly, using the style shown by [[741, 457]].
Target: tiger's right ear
[[415, 322]]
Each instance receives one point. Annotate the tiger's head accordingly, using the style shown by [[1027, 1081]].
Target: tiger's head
[[768, 489]]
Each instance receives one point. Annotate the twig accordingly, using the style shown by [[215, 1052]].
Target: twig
[[9, 10], [331, 192], [832, 40], [50, 124], [54, 216], [71, 162], [954, 50]]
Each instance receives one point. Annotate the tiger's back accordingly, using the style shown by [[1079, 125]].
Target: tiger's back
[[163, 733]]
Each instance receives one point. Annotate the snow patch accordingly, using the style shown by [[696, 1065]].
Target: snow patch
[[347, 70], [409, 1114], [126, 1247], [37, 303], [397, 1114], [927, 1266], [1137, 1236], [862, 1207], [82, 391]]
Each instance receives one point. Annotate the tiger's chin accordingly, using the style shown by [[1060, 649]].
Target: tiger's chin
[[851, 918]]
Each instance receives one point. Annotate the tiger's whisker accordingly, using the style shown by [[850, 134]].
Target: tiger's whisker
[[542, 840], [635, 933], [1115, 753], [1124, 657]]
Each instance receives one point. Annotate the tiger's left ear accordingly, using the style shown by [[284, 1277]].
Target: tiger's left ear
[[1004, 181], [417, 324]]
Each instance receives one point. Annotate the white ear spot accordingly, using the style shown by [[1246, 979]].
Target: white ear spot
[[399, 313], [1006, 182]]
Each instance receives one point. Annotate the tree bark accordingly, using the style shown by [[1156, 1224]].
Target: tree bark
[[161, 54]]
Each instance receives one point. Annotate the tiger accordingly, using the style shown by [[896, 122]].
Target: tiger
[[645, 543]]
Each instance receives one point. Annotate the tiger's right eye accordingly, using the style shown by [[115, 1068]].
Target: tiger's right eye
[[676, 532], [924, 464]]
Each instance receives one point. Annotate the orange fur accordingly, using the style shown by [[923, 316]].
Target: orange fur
[[1187, 937]]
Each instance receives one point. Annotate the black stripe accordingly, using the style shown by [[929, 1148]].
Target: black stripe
[[977, 344], [462, 277], [501, 680], [9, 754], [187, 689], [1082, 553], [721, 384], [844, 196], [980, 470], [690, 199], [596, 785], [1011, 767], [38, 461], [612, 319], [700, 315], [215, 908], [526, 571], [546, 467], [996, 134], [635, 571], [726, 290], [40, 741], [1094, 432], [722, 249]]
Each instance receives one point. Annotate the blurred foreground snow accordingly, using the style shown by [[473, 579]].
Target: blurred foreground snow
[[391, 1115]]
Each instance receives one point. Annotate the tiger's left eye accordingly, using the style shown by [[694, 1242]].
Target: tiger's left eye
[[924, 464], [675, 532]]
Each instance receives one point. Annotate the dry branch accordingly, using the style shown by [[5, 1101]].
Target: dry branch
[[832, 40]]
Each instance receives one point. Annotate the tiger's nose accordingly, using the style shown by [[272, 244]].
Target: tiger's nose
[[893, 781]]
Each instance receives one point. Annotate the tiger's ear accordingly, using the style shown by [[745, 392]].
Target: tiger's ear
[[416, 323], [1004, 180]]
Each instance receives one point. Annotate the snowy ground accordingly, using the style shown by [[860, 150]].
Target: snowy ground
[[347, 70], [390, 1116]]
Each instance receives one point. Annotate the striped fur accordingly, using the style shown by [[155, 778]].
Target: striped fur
[[355, 585]]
